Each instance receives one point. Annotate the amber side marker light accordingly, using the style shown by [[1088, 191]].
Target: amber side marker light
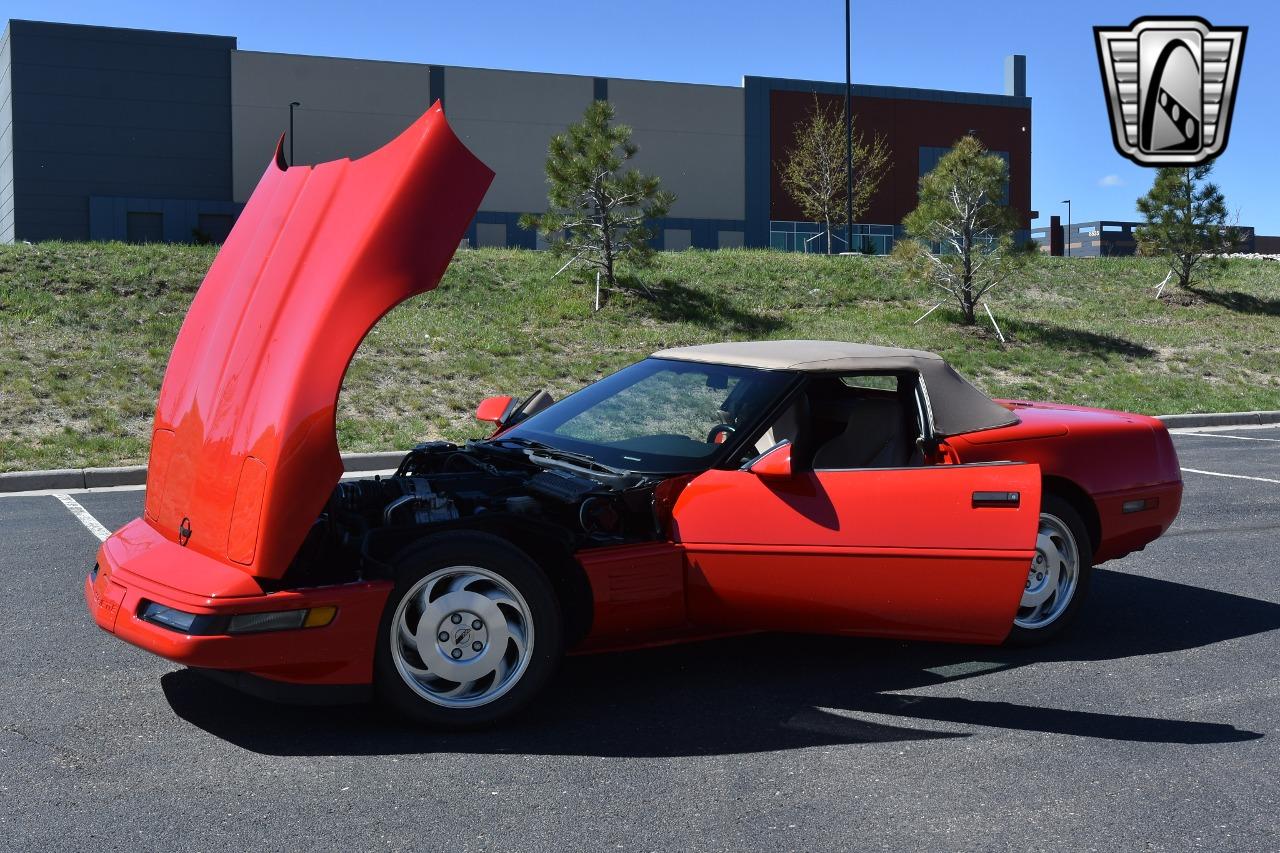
[[281, 620], [1140, 505], [318, 617]]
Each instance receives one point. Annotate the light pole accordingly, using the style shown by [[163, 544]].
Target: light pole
[[292, 105], [848, 137], [1067, 240]]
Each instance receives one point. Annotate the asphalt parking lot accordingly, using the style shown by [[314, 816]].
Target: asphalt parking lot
[[1155, 726]]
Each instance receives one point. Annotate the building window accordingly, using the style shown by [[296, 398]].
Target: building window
[[213, 227], [491, 234], [810, 238], [144, 227], [730, 239], [676, 239]]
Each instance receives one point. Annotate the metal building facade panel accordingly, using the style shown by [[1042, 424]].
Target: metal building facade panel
[[6, 142], [114, 112]]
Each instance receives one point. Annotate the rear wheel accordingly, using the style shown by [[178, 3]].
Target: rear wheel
[[470, 634], [1058, 579]]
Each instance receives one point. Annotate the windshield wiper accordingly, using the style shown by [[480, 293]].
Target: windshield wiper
[[539, 448]]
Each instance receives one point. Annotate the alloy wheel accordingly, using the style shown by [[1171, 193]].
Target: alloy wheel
[[1053, 577], [461, 637]]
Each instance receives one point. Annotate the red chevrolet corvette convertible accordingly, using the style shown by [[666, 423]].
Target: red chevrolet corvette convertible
[[805, 486]]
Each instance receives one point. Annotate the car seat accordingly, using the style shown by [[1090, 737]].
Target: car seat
[[873, 437]]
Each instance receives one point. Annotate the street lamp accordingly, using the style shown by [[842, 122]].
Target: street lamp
[[292, 105], [848, 137], [1067, 241]]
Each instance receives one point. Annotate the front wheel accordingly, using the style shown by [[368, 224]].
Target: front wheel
[[470, 634], [1058, 579]]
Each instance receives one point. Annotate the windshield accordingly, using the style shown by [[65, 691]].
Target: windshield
[[657, 416]]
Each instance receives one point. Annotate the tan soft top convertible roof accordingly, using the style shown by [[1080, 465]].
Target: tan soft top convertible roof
[[957, 406]]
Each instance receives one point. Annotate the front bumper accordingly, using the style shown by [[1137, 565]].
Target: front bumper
[[137, 565]]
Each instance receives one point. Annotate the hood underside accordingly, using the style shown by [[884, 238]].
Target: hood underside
[[244, 453]]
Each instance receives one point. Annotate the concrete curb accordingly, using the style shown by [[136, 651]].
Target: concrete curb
[[129, 475], [26, 481], [1220, 419], [136, 475]]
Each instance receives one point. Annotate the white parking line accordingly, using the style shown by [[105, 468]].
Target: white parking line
[[1232, 476], [1222, 428], [84, 517], [35, 493], [1224, 435]]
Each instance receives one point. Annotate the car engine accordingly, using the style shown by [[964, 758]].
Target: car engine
[[440, 486]]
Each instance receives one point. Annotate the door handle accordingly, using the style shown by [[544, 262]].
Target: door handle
[[982, 500]]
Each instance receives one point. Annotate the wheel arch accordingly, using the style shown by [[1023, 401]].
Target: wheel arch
[[1080, 501], [568, 578], [551, 552]]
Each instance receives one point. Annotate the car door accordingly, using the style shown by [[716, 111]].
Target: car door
[[931, 552]]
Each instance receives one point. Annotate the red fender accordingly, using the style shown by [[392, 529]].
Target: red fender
[[244, 453]]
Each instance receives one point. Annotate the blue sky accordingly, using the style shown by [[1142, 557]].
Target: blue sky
[[927, 44]]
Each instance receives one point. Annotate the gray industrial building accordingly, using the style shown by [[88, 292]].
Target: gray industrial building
[[1116, 239], [118, 134]]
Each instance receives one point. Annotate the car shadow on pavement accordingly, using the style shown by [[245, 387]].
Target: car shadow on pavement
[[773, 692]]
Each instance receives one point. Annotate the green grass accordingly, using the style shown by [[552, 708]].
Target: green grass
[[86, 328]]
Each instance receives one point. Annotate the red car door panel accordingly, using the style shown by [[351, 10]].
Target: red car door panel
[[936, 552]]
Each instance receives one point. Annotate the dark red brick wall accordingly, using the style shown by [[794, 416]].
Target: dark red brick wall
[[906, 125]]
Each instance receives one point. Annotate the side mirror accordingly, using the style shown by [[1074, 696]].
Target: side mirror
[[774, 463], [496, 410]]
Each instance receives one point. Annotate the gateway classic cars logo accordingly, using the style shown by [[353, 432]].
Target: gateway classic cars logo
[[1170, 85]]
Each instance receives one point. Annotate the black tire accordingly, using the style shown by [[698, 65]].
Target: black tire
[[1055, 507], [438, 554]]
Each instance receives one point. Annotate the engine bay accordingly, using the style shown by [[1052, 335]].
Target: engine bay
[[481, 485]]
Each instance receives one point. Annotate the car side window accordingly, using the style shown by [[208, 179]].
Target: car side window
[[872, 422], [785, 426], [866, 420]]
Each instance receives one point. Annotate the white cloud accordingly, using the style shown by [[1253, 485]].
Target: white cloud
[[1110, 181]]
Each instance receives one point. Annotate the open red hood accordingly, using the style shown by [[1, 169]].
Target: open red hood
[[244, 453]]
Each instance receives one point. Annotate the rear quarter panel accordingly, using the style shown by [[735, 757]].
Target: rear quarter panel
[[1111, 457]]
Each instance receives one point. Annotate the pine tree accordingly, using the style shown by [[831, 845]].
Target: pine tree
[[597, 209], [961, 234], [815, 171], [1186, 220]]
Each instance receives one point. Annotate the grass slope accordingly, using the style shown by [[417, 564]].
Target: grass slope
[[85, 331]]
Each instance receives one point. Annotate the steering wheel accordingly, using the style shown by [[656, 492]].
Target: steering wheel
[[719, 433]]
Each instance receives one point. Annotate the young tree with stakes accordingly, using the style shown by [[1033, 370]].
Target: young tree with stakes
[[598, 210], [815, 170], [1186, 221], [961, 235]]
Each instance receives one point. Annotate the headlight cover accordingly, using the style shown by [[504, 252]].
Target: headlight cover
[[241, 623], [180, 620]]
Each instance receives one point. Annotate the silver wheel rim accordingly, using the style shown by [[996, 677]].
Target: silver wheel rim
[[461, 637], [1053, 576]]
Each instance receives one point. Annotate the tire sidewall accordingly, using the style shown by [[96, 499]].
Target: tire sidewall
[[513, 565], [1062, 510]]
